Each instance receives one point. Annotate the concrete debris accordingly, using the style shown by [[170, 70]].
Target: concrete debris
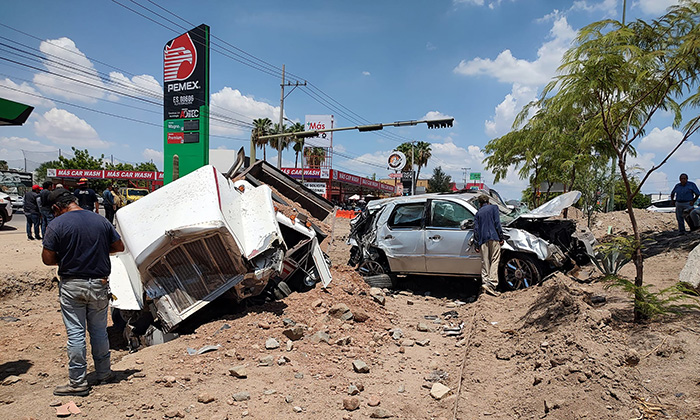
[[381, 413], [320, 336], [238, 372], [439, 391], [396, 333], [272, 344], [295, 333], [340, 311], [422, 327], [360, 367], [353, 390], [266, 361], [241, 396]]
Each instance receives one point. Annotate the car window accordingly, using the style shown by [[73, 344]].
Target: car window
[[665, 203], [448, 214], [407, 215]]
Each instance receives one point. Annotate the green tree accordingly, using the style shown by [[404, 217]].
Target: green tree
[[620, 76], [440, 181], [417, 153], [639, 201], [261, 127], [40, 172], [3, 165], [315, 156], [280, 142]]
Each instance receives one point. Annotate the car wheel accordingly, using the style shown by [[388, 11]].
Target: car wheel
[[383, 281], [2, 220], [370, 268], [519, 271]]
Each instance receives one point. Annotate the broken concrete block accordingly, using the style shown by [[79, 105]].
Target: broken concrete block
[[360, 366], [438, 391], [238, 372], [295, 333], [272, 344]]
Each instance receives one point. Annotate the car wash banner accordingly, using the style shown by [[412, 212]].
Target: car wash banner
[[186, 101]]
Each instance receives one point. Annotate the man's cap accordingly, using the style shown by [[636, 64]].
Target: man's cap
[[82, 181], [35, 187], [60, 195]]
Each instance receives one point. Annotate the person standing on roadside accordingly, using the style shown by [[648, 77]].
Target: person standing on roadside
[[108, 203], [80, 242], [44, 207], [31, 212], [488, 235], [87, 198], [683, 196]]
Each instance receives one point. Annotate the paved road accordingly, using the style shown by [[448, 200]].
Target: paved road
[[18, 224]]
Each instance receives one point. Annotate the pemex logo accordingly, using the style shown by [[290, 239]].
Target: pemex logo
[[180, 58]]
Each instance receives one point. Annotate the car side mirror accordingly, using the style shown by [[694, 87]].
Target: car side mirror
[[467, 224]]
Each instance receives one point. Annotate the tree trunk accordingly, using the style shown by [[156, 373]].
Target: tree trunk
[[637, 258]]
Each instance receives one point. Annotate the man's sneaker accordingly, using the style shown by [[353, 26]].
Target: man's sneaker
[[490, 291], [72, 390]]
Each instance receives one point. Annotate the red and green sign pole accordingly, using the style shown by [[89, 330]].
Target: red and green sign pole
[[186, 102]]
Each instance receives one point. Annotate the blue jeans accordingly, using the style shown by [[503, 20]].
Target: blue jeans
[[680, 207], [33, 220], [46, 217], [84, 303]]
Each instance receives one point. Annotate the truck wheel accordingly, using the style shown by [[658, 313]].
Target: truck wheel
[[281, 291]]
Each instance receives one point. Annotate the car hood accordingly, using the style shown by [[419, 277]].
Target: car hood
[[552, 207]]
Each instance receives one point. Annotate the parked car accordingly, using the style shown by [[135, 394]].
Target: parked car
[[220, 237], [129, 194], [5, 209], [432, 234], [662, 206], [17, 203]]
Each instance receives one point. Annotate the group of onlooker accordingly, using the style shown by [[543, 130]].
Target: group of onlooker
[[38, 211]]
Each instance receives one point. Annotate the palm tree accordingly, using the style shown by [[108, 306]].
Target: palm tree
[[283, 141], [315, 156], [422, 154], [298, 142], [261, 127]]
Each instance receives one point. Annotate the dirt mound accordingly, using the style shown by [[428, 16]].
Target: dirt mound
[[618, 222]]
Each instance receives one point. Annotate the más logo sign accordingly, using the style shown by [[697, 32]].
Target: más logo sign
[[180, 59]]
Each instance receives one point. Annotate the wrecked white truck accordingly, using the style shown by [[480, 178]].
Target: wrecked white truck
[[206, 235], [432, 234]]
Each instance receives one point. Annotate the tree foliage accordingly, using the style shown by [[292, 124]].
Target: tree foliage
[[620, 76], [440, 181]]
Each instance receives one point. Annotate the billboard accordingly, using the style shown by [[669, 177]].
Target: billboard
[[315, 123], [186, 101]]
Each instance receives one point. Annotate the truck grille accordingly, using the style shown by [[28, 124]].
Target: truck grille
[[192, 271]]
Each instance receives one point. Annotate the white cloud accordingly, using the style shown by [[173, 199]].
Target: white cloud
[[435, 115], [63, 58], [366, 73], [155, 155], [508, 69], [62, 127], [23, 93], [663, 140], [655, 7], [430, 46], [468, 2], [143, 86], [666, 139], [11, 147], [608, 7], [506, 111], [232, 103]]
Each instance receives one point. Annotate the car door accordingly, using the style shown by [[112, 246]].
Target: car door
[[447, 246], [401, 238]]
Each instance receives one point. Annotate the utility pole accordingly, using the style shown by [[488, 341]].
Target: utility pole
[[279, 143]]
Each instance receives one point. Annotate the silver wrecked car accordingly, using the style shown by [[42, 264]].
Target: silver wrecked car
[[431, 234]]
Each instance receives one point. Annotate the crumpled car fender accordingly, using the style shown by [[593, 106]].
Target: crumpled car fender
[[518, 240]]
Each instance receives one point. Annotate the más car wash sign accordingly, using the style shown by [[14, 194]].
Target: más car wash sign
[[186, 101]]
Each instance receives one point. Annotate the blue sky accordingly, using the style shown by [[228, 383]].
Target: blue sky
[[478, 61]]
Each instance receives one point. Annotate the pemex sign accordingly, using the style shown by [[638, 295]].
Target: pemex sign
[[186, 101]]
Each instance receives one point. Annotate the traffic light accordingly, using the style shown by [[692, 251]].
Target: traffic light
[[447, 122]]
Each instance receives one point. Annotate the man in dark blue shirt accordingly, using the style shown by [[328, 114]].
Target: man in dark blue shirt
[[80, 242], [488, 235], [87, 198], [683, 196]]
